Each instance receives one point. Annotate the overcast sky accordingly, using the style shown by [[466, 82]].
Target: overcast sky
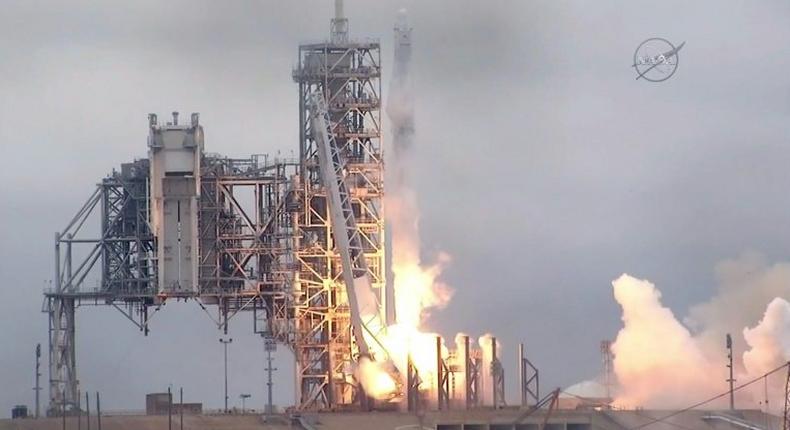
[[545, 169]]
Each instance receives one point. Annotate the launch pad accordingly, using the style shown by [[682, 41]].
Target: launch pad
[[299, 243]]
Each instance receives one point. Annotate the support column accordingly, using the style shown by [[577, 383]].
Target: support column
[[62, 356], [467, 375], [497, 377], [529, 379], [521, 375], [442, 378]]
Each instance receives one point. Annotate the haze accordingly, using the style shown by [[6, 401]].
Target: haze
[[544, 168]]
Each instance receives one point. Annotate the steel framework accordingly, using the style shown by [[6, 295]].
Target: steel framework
[[529, 377], [472, 369], [265, 239], [243, 255], [442, 378], [497, 378], [347, 74]]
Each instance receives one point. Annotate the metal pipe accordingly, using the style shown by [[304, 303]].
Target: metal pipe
[[57, 262], [269, 345], [521, 374], [98, 411], [731, 380], [169, 409], [225, 344], [439, 369], [38, 378], [87, 207], [467, 374], [493, 373], [68, 268]]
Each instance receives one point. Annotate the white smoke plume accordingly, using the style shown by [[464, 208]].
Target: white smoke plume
[[416, 288], [656, 359], [745, 287], [416, 284], [769, 341], [661, 362]]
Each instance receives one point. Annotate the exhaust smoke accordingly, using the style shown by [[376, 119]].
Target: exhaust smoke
[[661, 361]]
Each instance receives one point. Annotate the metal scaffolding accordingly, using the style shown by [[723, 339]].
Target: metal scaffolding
[[473, 363], [243, 255], [529, 378], [347, 73], [263, 232]]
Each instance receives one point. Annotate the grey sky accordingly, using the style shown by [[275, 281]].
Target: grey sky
[[545, 169]]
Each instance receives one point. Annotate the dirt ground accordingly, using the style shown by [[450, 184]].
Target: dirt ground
[[196, 422]]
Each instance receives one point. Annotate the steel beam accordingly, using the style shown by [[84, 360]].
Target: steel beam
[[529, 382]]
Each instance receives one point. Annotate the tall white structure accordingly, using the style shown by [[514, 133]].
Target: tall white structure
[[174, 153]]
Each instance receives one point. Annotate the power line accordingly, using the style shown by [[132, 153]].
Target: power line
[[615, 408], [686, 409], [704, 402]]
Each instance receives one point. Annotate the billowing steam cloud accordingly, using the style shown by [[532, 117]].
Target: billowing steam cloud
[[656, 359], [769, 341], [661, 362], [417, 287]]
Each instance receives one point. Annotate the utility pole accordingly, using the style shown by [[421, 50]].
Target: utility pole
[[731, 380], [37, 388], [98, 411], [181, 408], [169, 409], [88, 410], [225, 343], [269, 346]]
